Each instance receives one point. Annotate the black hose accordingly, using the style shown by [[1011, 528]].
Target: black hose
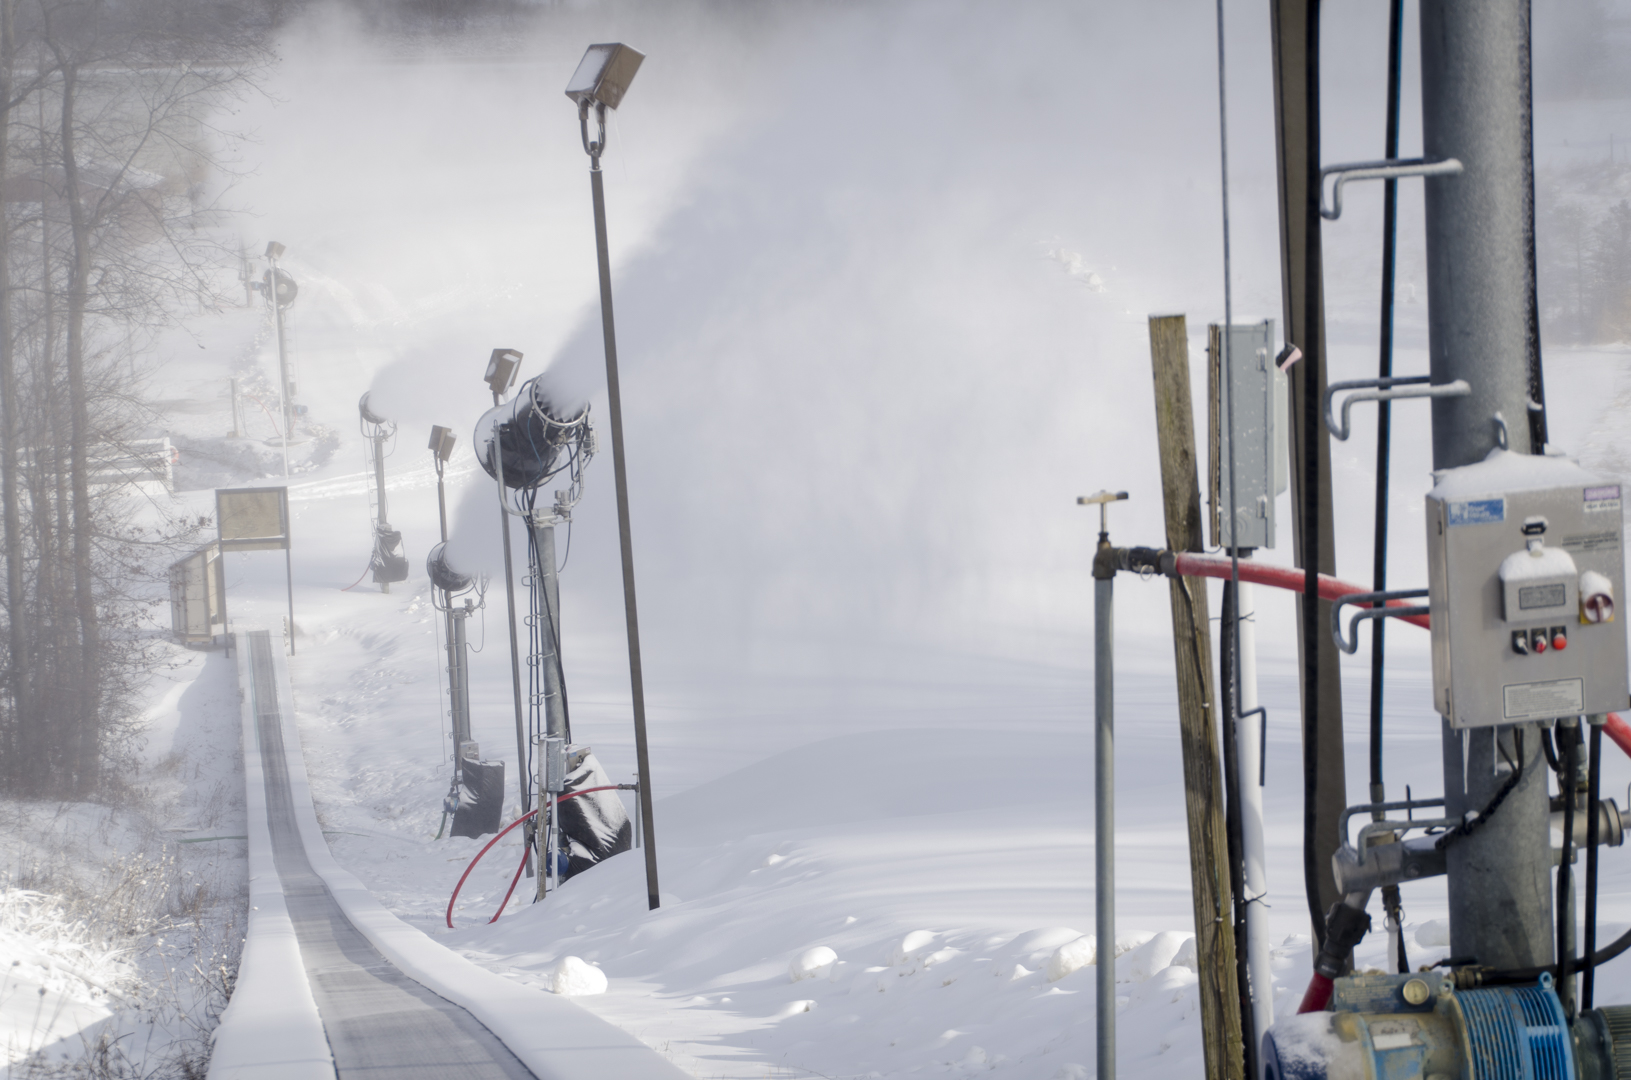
[[1384, 431], [1233, 822], [1594, 776], [1313, 347], [1568, 754]]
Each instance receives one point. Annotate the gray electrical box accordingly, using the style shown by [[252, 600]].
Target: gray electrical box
[[1525, 570], [1260, 469]]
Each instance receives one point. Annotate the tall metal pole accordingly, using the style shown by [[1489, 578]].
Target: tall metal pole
[[1104, 809], [544, 576], [284, 394], [379, 489], [523, 781], [1481, 328], [625, 543]]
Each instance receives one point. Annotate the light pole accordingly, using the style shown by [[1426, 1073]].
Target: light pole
[[280, 293], [601, 80]]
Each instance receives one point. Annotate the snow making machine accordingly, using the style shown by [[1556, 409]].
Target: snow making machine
[[523, 444]]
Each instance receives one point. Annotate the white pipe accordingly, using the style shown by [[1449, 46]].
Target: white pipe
[[1249, 750]]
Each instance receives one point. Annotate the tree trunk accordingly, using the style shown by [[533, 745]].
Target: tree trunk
[[20, 745], [88, 721]]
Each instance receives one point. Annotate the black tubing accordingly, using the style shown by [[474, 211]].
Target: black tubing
[[1568, 754], [1594, 775], [1313, 424]]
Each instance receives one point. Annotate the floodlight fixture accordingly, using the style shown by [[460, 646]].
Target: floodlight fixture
[[604, 75], [274, 250], [502, 367], [441, 442]]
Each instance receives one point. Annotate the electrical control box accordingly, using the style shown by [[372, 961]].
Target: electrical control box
[[1261, 471], [1525, 572]]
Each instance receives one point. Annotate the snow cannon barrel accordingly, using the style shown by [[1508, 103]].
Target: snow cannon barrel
[[368, 414], [529, 432], [441, 572]]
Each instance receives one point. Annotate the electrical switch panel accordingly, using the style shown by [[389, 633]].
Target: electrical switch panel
[[1526, 562], [1260, 454]]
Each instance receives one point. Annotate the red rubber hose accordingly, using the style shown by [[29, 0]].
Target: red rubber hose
[[1318, 995], [524, 817], [1190, 564]]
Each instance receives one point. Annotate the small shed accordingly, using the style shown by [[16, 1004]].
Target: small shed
[[198, 596]]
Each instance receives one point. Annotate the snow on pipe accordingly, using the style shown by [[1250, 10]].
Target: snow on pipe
[[537, 426]]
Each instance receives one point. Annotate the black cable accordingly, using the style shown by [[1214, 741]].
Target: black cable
[[1313, 865], [1551, 755], [1384, 415], [1233, 820], [1477, 821], [1568, 754], [1384, 434], [1594, 776]]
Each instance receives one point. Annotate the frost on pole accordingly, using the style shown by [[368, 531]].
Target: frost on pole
[[253, 519]]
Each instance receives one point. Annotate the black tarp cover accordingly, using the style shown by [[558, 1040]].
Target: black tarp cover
[[595, 826]]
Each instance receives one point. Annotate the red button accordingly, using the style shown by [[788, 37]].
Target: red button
[[1560, 643]]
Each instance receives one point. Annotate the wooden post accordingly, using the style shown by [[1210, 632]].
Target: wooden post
[[1197, 721]]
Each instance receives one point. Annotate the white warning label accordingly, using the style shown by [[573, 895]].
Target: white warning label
[[1544, 700]]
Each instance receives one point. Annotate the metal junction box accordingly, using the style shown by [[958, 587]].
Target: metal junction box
[[1260, 455], [1525, 572]]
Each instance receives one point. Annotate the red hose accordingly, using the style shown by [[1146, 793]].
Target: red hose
[[524, 817], [1318, 995], [1190, 564]]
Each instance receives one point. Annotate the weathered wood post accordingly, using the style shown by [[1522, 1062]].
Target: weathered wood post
[[1197, 721]]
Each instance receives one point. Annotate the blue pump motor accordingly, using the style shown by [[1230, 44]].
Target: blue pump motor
[[1419, 1027]]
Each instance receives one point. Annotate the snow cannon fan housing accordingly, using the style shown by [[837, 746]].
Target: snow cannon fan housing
[[528, 432], [368, 414], [441, 572], [1526, 564]]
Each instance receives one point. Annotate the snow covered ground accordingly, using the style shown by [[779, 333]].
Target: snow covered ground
[[882, 319]]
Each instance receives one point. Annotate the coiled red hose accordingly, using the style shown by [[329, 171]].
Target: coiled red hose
[[528, 816]]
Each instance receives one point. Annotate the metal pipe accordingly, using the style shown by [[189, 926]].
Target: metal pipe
[[625, 541], [285, 405], [1104, 815], [458, 681], [1249, 749], [522, 780], [1481, 305]]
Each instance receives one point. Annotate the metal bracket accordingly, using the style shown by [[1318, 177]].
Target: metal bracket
[[1403, 386], [1381, 611], [1388, 169]]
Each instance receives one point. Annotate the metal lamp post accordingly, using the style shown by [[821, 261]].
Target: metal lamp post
[[601, 80]]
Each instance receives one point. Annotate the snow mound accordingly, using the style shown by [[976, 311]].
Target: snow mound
[[573, 977], [912, 946], [1434, 934], [1072, 956], [816, 963], [1156, 954]]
